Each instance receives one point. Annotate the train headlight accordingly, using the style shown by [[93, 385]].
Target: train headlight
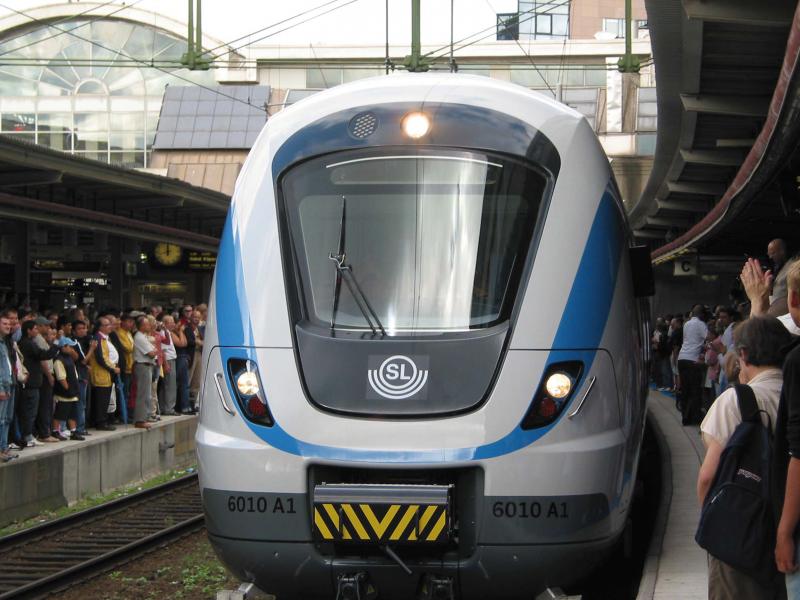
[[555, 390], [247, 383], [249, 392], [558, 385], [416, 125]]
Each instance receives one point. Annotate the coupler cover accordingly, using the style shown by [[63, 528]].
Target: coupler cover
[[383, 514]]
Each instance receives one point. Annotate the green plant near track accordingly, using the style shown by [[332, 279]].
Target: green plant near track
[[92, 501]]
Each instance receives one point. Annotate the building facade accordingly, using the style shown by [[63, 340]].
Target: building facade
[[100, 87]]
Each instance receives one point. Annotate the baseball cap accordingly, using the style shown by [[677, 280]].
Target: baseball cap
[[41, 321], [65, 341]]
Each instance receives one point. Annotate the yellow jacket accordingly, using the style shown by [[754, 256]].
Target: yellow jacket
[[126, 339], [99, 365]]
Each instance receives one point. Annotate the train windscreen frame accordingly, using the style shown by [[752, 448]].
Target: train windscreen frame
[[426, 240]]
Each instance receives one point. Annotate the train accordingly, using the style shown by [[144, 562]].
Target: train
[[425, 360]]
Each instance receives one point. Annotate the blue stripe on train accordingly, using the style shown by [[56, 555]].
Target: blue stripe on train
[[582, 325]]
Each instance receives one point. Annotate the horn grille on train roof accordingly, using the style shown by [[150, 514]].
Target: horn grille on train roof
[[363, 125]]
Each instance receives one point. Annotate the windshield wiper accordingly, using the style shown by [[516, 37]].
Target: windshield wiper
[[345, 272]]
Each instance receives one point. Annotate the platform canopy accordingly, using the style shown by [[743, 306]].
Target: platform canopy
[[725, 172], [48, 186]]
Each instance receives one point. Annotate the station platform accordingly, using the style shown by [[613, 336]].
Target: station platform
[[54, 475], [676, 567]]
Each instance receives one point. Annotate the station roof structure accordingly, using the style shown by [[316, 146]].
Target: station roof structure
[[42, 185], [726, 165], [206, 118]]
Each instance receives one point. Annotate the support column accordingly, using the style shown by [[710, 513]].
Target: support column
[[630, 98], [116, 272], [22, 260]]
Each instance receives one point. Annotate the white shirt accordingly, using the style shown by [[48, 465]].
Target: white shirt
[[723, 417], [141, 347], [694, 338], [113, 355], [788, 322], [167, 347], [727, 338]]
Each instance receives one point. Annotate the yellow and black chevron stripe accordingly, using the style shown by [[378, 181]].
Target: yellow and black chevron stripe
[[384, 523]]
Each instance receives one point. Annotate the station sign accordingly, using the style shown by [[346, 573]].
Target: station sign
[[202, 261], [685, 265]]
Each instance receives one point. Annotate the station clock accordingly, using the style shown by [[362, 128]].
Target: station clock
[[168, 255]]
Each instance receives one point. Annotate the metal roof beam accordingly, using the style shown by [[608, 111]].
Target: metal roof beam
[[695, 206], [669, 223], [29, 177], [735, 143], [23, 154], [703, 188], [717, 158], [653, 235], [771, 14], [738, 106], [28, 209]]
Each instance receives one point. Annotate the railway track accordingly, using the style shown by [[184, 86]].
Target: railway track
[[39, 561]]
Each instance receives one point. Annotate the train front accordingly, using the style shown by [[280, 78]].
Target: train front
[[422, 360]]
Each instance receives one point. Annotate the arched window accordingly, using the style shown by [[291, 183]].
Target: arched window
[[92, 91]]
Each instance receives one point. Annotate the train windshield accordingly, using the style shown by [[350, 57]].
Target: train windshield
[[426, 242]]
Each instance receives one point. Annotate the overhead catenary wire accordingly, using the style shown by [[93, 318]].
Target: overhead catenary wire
[[257, 31], [64, 20], [136, 60], [274, 33], [528, 54], [531, 14]]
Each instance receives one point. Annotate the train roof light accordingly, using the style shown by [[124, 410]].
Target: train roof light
[[416, 125]]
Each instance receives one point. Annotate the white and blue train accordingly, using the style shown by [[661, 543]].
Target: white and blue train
[[425, 359]]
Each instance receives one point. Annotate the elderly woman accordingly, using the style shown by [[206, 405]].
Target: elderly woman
[[759, 344]]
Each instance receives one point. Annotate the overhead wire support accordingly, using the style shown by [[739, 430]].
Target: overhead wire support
[[630, 62], [387, 62], [415, 62], [193, 60], [453, 65]]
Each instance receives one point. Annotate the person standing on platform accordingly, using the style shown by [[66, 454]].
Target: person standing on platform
[[102, 372], [85, 348], [155, 338], [675, 340], [786, 472], [33, 357], [778, 254], [144, 361], [184, 346], [760, 345], [8, 385], [170, 355], [690, 366], [44, 417], [195, 371], [66, 391], [15, 437], [122, 338]]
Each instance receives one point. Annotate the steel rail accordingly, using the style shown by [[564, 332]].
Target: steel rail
[[98, 560]]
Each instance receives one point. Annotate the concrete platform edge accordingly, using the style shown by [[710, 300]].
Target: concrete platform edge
[[58, 475], [647, 585]]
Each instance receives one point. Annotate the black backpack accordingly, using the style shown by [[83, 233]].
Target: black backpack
[[736, 523]]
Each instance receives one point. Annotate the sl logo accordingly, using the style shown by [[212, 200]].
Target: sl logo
[[397, 377]]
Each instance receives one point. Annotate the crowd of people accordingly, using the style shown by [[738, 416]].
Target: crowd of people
[[701, 356], [65, 373]]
